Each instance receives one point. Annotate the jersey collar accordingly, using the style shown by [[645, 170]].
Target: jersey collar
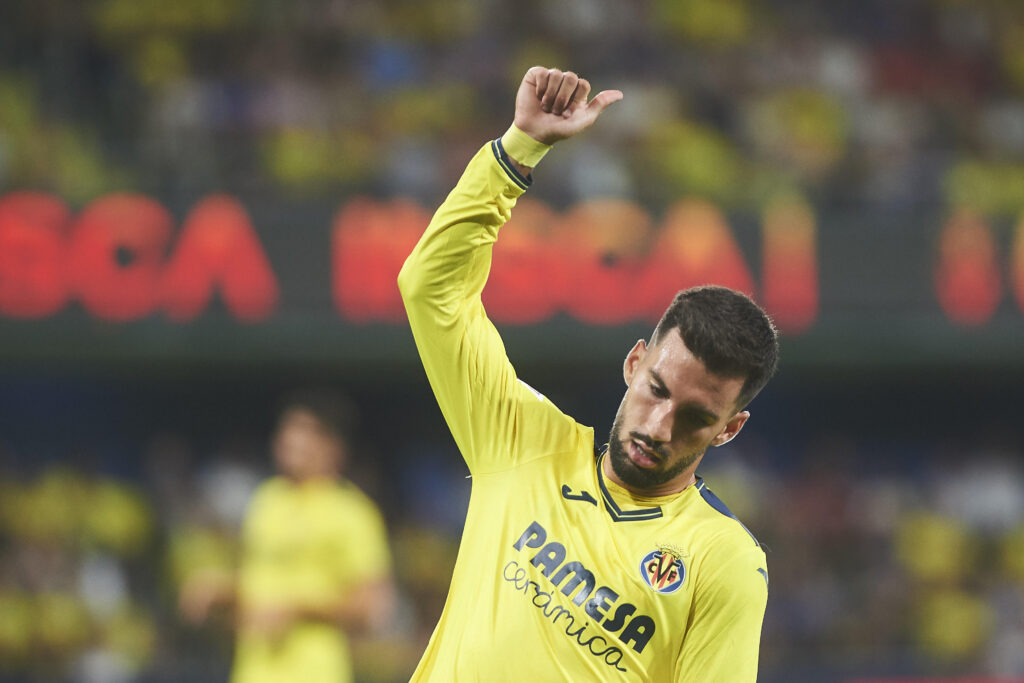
[[614, 511]]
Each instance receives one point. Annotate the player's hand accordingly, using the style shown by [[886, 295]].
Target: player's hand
[[552, 105]]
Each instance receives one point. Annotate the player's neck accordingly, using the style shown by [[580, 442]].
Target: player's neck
[[312, 479]]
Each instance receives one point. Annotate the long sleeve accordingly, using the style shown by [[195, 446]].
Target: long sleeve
[[497, 421]]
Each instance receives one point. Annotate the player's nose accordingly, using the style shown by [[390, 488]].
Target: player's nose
[[659, 423]]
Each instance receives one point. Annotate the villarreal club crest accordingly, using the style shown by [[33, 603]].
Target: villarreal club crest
[[663, 570]]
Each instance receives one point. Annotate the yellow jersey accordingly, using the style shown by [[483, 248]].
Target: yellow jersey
[[561, 574], [305, 544]]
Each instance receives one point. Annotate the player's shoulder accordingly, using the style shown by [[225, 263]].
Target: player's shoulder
[[730, 559], [271, 499], [270, 490], [730, 535], [351, 497]]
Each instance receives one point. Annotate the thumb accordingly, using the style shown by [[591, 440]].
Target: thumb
[[602, 100]]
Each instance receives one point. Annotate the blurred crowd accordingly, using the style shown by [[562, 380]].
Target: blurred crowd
[[912, 570], [92, 564], [894, 105], [885, 558]]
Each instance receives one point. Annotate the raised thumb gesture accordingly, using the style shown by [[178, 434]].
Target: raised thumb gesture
[[552, 105]]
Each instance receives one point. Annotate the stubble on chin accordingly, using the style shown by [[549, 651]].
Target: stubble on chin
[[636, 478]]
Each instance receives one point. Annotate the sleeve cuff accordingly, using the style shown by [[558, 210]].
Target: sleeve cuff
[[522, 147]]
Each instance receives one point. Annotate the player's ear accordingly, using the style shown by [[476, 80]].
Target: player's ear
[[732, 428], [632, 361]]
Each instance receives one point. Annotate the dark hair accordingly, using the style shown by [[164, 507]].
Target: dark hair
[[334, 411], [727, 332]]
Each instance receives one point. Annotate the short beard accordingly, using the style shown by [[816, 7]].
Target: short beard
[[636, 478]]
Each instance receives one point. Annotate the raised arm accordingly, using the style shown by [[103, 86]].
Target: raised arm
[[443, 278]]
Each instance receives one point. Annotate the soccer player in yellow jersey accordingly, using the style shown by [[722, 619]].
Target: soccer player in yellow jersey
[[315, 561], [619, 567]]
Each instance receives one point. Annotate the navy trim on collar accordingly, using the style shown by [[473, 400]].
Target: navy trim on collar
[[618, 514]]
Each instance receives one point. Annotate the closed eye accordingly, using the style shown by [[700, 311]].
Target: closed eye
[[697, 420], [658, 391], [657, 385]]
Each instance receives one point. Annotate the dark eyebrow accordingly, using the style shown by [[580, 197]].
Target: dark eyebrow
[[696, 408]]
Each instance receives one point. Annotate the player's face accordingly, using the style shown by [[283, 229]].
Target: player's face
[[303, 449], [672, 411]]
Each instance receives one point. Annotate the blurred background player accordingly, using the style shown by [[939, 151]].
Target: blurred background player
[[315, 564]]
